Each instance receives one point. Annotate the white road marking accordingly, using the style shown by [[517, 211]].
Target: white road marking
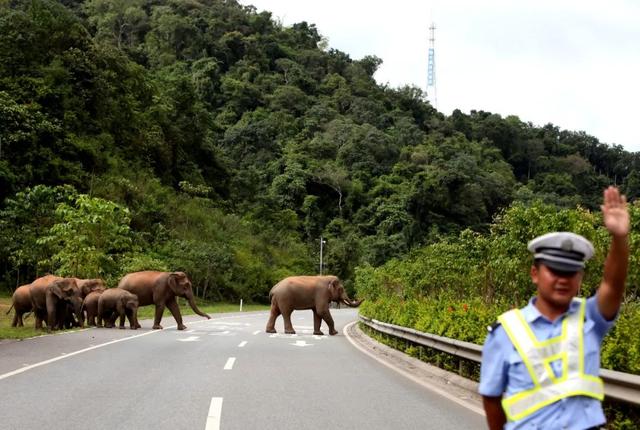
[[229, 364], [302, 343], [220, 333], [242, 344], [71, 354], [190, 339], [214, 415], [256, 332], [228, 323]]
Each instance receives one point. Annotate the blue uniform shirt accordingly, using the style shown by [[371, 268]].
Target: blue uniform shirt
[[503, 371]]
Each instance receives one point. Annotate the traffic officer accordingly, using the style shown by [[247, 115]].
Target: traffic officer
[[540, 363]]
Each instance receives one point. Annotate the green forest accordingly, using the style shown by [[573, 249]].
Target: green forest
[[204, 136]]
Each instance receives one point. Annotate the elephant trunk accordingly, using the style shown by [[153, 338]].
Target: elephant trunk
[[77, 305], [192, 303], [351, 303]]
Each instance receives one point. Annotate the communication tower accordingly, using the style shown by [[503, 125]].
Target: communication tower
[[431, 72]]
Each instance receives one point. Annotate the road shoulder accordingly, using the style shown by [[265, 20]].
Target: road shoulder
[[450, 385]]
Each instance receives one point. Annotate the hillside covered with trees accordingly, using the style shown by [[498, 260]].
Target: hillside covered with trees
[[204, 136]]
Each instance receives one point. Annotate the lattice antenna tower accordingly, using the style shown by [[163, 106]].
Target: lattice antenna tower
[[431, 72]]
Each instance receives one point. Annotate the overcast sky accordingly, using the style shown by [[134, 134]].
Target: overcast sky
[[573, 63]]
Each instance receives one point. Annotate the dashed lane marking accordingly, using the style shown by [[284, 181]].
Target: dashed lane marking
[[190, 339], [215, 414], [229, 364], [91, 348]]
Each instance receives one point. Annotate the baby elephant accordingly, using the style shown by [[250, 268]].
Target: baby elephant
[[90, 305], [115, 302]]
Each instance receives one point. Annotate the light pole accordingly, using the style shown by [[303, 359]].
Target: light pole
[[322, 242]]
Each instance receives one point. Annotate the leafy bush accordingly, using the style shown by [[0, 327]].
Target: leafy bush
[[456, 288]]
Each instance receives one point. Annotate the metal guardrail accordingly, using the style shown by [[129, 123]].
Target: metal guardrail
[[620, 386]]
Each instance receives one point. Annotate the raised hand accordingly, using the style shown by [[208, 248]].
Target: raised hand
[[615, 214]]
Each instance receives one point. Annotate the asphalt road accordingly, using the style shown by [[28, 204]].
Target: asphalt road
[[224, 373]]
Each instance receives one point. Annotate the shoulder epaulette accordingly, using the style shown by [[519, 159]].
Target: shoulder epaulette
[[493, 326]]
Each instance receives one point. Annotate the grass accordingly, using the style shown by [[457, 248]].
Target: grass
[[146, 312]]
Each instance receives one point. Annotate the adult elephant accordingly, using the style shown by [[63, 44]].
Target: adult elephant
[[307, 292], [161, 289], [21, 304], [116, 302], [90, 305], [49, 297]]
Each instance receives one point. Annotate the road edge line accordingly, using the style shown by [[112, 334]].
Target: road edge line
[[408, 375]]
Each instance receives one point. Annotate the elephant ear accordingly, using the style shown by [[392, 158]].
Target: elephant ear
[[70, 287], [172, 281], [87, 287], [56, 289], [333, 288], [182, 282]]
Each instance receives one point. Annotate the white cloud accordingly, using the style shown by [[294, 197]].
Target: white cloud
[[572, 63]]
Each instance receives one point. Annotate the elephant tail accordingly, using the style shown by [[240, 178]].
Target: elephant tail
[[7, 313]]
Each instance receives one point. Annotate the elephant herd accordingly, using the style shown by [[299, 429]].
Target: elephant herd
[[64, 302]]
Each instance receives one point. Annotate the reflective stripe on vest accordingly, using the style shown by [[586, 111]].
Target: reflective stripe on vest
[[537, 356]]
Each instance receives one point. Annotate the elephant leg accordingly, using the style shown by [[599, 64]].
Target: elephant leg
[[288, 327], [106, 319], [175, 311], [131, 316], [16, 319], [51, 317], [326, 316], [136, 322], [91, 319], [158, 317], [38, 318], [112, 319], [100, 315], [122, 319], [317, 320], [275, 312]]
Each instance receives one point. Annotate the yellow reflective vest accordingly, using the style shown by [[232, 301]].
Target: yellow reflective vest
[[537, 357]]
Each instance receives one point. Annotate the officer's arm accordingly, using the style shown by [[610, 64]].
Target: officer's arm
[[616, 219], [495, 414]]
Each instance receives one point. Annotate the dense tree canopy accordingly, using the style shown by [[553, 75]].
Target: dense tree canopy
[[229, 144]]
